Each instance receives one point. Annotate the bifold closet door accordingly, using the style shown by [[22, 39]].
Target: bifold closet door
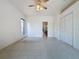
[[68, 29], [62, 29]]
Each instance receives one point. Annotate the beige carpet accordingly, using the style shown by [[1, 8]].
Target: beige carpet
[[37, 48]]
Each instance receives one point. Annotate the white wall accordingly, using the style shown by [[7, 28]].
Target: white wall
[[9, 24], [69, 25], [35, 25]]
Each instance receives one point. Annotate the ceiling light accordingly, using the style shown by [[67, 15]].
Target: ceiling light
[[39, 7]]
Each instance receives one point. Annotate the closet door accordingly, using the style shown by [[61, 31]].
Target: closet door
[[62, 29], [68, 29]]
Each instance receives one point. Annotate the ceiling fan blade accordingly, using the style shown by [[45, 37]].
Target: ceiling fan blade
[[37, 1], [31, 5], [45, 0], [44, 7]]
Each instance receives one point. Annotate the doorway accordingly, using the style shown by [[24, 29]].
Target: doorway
[[45, 29], [22, 26]]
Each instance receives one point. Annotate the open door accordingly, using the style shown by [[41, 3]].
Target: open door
[[45, 29]]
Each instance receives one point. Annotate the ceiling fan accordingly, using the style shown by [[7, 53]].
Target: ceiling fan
[[39, 4]]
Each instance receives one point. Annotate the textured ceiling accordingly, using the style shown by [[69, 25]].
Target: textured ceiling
[[54, 7]]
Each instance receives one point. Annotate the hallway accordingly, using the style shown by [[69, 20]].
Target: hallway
[[37, 48]]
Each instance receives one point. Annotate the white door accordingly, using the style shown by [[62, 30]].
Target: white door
[[69, 29], [62, 29]]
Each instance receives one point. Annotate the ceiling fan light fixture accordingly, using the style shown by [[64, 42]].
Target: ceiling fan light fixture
[[39, 7]]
